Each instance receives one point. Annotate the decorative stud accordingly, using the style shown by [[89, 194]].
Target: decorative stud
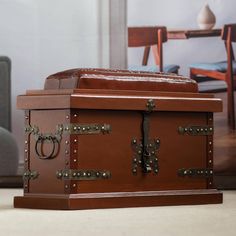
[[88, 174], [66, 142], [67, 117], [59, 174], [134, 141]]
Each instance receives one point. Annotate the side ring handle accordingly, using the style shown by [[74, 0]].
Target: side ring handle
[[39, 148]]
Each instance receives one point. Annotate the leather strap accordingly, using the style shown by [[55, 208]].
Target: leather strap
[[145, 133]]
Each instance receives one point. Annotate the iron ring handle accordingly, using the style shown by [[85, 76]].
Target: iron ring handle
[[40, 153]]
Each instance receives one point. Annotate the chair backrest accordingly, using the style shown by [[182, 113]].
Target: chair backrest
[[229, 29], [229, 36], [147, 36]]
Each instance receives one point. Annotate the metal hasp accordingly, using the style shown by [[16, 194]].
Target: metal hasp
[[151, 160], [83, 174], [195, 172], [196, 130], [145, 151], [150, 105], [30, 175]]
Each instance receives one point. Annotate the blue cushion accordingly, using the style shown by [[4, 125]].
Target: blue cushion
[[166, 69], [216, 85], [217, 66]]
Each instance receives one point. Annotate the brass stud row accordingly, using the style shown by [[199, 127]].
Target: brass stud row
[[82, 175], [196, 130]]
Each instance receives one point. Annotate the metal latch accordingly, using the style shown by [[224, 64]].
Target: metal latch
[[145, 150]]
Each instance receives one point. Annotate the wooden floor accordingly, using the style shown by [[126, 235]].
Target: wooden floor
[[224, 149]]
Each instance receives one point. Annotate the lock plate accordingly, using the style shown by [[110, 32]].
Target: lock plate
[[151, 159]]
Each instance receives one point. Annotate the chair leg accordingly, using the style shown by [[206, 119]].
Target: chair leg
[[231, 106], [191, 75]]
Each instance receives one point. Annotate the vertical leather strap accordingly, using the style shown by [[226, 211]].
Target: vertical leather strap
[[145, 140]]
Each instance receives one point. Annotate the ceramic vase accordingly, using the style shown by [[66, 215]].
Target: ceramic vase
[[206, 18]]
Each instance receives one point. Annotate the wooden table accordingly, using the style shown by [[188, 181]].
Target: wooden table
[[186, 34]]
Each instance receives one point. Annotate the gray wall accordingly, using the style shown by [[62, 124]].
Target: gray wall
[[45, 36]]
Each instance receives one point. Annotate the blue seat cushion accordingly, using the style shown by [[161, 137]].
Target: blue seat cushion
[[166, 69], [212, 86], [217, 66]]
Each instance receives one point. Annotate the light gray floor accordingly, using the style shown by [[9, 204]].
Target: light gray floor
[[162, 221]]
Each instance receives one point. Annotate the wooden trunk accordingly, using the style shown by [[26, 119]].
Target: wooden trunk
[[96, 148]]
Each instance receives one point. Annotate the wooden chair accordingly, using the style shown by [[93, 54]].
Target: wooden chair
[[223, 70], [150, 37]]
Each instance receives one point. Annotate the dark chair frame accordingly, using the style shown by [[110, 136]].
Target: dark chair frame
[[149, 37], [229, 36]]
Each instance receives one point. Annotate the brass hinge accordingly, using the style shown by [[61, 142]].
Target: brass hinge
[[195, 172], [82, 174], [87, 128], [30, 175], [55, 139], [195, 130], [71, 129]]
